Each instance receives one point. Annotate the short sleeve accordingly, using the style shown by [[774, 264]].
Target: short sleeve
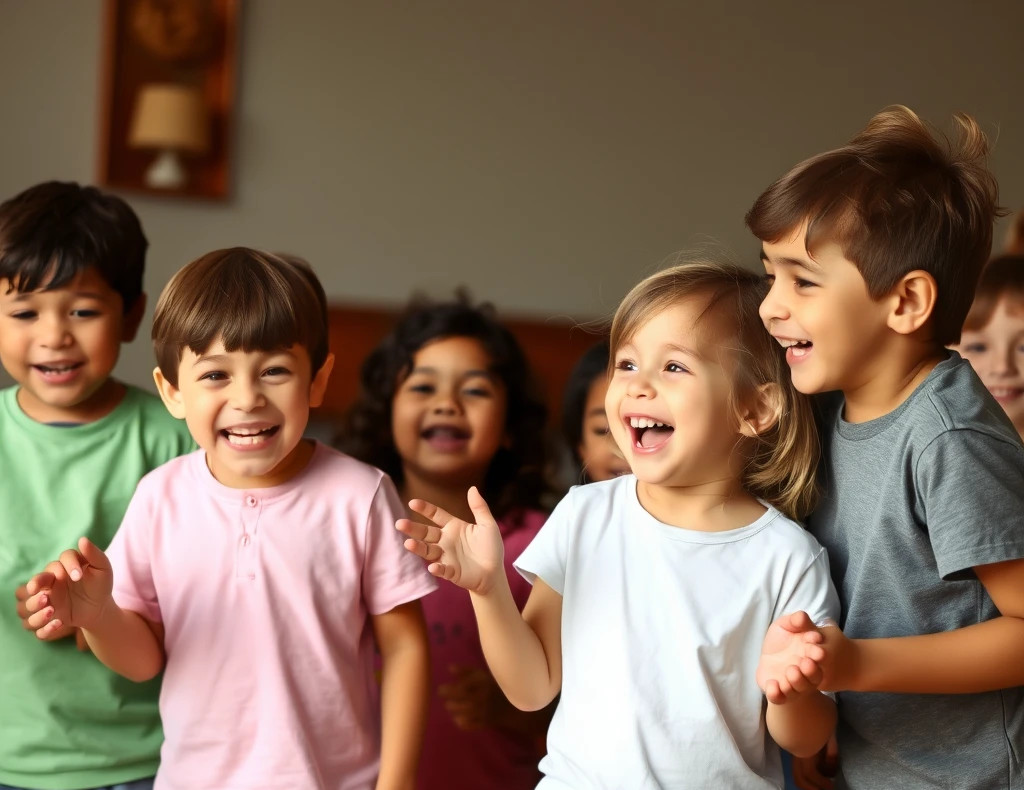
[[391, 574], [131, 560], [547, 556], [971, 485], [812, 592]]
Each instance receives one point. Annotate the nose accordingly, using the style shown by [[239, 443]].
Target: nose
[[1003, 361], [639, 385], [246, 396], [772, 308], [54, 333], [446, 401]]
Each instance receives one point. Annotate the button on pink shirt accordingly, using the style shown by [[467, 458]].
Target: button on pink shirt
[[265, 597]]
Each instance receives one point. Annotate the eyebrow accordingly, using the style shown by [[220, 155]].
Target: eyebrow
[[24, 296], [220, 359], [465, 374], [597, 411], [809, 263], [683, 350]]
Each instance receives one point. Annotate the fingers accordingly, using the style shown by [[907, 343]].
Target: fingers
[[42, 580], [807, 776], [418, 531], [73, 563], [93, 555], [477, 504], [431, 552], [438, 515]]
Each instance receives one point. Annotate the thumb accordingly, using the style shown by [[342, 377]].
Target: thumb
[[481, 512], [93, 555]]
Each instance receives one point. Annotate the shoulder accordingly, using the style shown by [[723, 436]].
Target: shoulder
[[789, 535], [342, 478], [955, 399]]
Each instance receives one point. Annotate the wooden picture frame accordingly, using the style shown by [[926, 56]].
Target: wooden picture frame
[[177, 42]]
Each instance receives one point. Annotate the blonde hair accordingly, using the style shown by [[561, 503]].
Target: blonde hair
[[781, 461]]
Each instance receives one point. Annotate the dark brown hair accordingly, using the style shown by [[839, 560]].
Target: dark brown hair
[[250, 300], [896, 199], [1003, 276], [515, 477], [51, 232], [782, 460]]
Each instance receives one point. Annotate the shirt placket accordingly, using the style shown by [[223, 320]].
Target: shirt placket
[[245, 555]]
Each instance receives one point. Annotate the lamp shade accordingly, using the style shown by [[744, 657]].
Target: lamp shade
[[170, 116]]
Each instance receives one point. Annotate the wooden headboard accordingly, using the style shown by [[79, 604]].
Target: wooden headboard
[[552, 347]]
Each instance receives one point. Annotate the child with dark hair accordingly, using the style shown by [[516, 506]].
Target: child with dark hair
[[447, 403], [992, 339], [74, 442], [259, 571], [584, 422], [873, 251]]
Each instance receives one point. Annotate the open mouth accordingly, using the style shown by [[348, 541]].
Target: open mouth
[[249, 437], [60, 369], [1006, 394], [795, 349], [445, 437], [648, 433]]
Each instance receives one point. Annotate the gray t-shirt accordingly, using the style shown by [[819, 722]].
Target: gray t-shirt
[[912, 502]]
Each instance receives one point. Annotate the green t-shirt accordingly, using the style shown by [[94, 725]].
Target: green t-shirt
[[66, 721]]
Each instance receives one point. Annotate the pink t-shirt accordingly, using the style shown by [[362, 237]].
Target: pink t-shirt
[[265, 597], [455, 759]]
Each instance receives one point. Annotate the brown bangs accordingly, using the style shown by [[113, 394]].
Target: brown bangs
[[247, 299], [1002, 277]]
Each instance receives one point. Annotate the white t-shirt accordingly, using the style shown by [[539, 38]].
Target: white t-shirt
[[661, 634]]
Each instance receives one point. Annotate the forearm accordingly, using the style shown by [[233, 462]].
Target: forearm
[[404, 698], [803, 725], [126, 643], [977, 658], [514, 651]]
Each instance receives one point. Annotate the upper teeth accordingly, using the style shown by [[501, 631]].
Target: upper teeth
[[245, 431], [645, 422], [787, 343]]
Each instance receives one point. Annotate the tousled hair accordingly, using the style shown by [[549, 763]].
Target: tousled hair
[[515, 477], [1003, 276], [896, 198], [781, 461], [248, 299], [52, 231]]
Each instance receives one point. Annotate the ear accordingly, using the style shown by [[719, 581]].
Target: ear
[[318, 388], [912, 301], [133, 319], [169, 394], [761, 411]]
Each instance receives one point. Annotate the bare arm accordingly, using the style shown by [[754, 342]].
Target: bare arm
[[401, 636], [976, 658], [523, 651], [76, 592]]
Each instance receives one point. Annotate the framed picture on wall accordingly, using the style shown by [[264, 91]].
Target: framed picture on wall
[[168, 96]]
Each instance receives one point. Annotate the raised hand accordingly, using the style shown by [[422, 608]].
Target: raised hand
[[790, 658], [71, 592], [469, 555]]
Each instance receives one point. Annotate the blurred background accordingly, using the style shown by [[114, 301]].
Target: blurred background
[[544, 154]]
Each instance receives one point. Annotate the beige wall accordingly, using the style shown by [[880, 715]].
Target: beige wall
[[544, 153]]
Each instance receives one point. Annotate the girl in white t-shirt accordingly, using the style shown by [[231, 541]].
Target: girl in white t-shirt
[[653, 592]]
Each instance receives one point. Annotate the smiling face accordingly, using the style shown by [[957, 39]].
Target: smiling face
[[668, 401], [819, 308], [247, 410], [598, 454], [996, 351], [61, 346], [448, 415]]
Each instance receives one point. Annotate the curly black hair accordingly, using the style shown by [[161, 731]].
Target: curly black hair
[[515, 478]]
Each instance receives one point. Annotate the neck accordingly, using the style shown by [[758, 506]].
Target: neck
[[900, 371], [449, 495], [712, 506]]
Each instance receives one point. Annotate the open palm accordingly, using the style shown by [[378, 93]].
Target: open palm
[[467, 554]]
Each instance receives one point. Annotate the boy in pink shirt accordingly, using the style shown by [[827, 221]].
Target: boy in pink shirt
[[260, 571]]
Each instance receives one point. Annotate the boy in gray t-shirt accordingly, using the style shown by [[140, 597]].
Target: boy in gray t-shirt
[[874, 250]]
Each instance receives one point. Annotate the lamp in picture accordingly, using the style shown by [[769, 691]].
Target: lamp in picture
[[171, 118]]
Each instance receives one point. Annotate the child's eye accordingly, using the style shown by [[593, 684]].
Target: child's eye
[[601, 431], [24, 315], [770, 279], [625, 364], [214, 375], [974, 348], [675, 367], [276, 371], [477, 392], [801, 283], [421, 389], [85, 313]]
